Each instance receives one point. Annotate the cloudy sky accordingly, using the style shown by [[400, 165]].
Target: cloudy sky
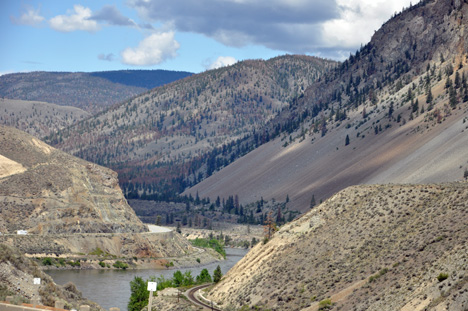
[[187, 35]]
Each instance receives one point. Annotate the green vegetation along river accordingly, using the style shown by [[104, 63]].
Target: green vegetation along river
[[111, 288]]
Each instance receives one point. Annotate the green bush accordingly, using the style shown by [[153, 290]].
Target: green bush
[[102, 264], [213, 243], [204, 277], [74, 263], [325, 304], [442, 277], [47, 261], [120, 265], [139, 294]]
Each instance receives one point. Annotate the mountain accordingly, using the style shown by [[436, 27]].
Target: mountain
[[147, 79], [46, 191], [92, 92], [38, 118], [393, 112], [161, 141], [378, 247]]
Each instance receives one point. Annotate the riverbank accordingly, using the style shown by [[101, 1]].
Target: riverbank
[[110, 288], [199, 257], [161, 248]]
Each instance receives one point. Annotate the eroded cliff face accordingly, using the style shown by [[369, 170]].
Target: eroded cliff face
[[16, 279], [366, 248], [46, 191]]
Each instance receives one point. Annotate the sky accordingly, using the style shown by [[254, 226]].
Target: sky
[[183, 35]]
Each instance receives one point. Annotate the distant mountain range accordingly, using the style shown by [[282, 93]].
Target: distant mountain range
[[92, 91]]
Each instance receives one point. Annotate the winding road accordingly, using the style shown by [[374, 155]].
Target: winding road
[[192, 297]]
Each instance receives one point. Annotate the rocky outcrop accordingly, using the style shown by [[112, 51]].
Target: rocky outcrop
[[46, 191], [16, 279], [393, 247]]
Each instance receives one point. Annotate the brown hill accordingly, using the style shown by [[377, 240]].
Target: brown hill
[[379, 100], [38, 118], [45, 191], [163, 136], [71, 207], [383, 247]]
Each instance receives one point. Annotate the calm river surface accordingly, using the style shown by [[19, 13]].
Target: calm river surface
[[111, 288]]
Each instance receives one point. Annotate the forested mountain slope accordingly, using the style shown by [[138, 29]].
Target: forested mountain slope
[[38, 118], [393, 112], [161, 140]]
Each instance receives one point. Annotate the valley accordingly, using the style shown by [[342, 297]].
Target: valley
[[346, 181]]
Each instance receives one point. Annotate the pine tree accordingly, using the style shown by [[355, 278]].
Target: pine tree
[[347, 140], [453, 97], [457, 80], [217, 274], [139, 294], [429, 97], [312, 201]]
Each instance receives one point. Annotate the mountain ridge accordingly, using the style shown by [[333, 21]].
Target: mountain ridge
[[370, 99], [92, 91], [162, 136]]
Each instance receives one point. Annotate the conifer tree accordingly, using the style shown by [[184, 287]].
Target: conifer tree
[[312, 201], [217, 274]]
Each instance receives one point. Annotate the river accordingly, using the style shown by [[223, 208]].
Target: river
[[111, 288]]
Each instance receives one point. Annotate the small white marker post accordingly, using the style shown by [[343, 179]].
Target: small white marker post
[[36, 281], [152, 287]]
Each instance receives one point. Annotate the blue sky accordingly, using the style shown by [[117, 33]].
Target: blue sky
[[186, 35]]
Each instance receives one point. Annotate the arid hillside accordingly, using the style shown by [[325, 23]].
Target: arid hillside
[[39, 119], [46, 191], [381, 247], [16, 280], [392, 112]]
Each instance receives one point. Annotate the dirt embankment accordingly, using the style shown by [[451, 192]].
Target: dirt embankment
[[381, 247], [101, 251]]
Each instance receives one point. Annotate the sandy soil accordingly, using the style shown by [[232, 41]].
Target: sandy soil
[[9, 167]]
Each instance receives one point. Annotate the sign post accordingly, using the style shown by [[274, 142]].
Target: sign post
[[35, 301], [152, 287]]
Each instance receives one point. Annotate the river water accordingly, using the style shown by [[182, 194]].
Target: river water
[[111, 288]]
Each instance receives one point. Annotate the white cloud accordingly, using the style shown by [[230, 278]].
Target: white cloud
[[222, 61], [326, 27], [30, 17], [153, 50], [358, 20], [78, 19]]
